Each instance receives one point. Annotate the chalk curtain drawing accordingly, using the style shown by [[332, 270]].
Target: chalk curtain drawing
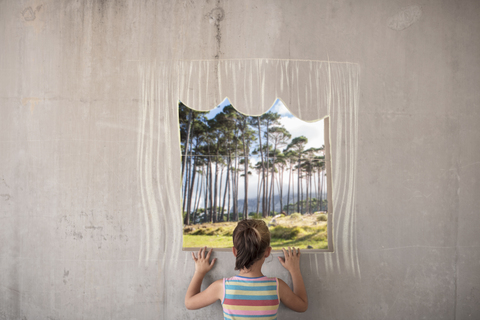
[[310, 89]]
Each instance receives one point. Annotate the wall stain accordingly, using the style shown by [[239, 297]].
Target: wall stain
[[405, 18], [6, 196], [215, 17], [77, 235], [5, 182], [33, 102], [93, 227], [28, 14], [65, 275]]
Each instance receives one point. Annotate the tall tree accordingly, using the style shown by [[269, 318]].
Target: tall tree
[[290, 157], [233, 116], [279, 137], [298, 145], [308, 166], [281, 164], [257, 121], [268, 119], [248, 137], [225, 127]]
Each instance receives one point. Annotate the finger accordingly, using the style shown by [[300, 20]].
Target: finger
[[290, 251], [209, 253], [285, 253], [282, 261], [193, 256], [205, 252], [299, 252], [200, 253], [213, 262]]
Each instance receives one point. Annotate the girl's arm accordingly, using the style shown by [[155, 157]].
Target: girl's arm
[[297, 299], [194, 299]]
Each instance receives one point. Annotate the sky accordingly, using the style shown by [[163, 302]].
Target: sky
[[312, 130]]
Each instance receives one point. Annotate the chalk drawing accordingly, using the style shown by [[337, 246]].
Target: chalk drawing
[[326, 88]]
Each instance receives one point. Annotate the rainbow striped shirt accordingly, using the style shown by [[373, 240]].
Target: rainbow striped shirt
[[250, 298]]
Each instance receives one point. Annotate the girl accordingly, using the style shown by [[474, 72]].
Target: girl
[[250, 294]]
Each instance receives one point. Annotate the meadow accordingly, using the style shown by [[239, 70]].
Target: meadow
[[296, 230]]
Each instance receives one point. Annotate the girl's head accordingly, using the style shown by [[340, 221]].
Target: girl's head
[[251, 239]]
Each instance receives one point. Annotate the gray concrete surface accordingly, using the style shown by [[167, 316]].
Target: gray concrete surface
[[89, 165]]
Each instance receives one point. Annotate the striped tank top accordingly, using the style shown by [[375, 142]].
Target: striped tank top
[[250, 298]]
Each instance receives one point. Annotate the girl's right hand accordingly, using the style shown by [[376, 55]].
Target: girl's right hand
[[291, 262], [202, 263]]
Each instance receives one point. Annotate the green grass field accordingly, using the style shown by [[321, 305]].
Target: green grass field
[[294, 231]]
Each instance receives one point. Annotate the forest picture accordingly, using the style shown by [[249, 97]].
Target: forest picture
[[236, 166]]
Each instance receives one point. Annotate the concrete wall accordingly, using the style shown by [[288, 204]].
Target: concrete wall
[[89, 215]]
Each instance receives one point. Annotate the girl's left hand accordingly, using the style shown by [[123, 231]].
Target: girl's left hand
[[202, 264]]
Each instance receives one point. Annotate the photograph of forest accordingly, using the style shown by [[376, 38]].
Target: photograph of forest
[[236, 166]]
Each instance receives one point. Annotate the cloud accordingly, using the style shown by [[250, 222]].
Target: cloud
[[312, 130]]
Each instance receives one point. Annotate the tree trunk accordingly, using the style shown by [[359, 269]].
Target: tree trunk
[[263, 167], [210, 190], [307, 187], [245, 165], [311, 188], [288, 193], [215, 188], [301, 195], [219, 209], [186, 182], [187, 141], [235, 184], [237, 179], [199, 194], [321, 188], [281, 190], [226, 186], [228, 204], [205, 217], [267, 203], [258, 195], [318, 189], [272, 184], [189, 205], [298, 185]]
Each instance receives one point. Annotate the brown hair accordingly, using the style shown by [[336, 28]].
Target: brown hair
[[250, 238]]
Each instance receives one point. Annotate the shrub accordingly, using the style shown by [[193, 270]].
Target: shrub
[[295, 215], [199, 232], [322, 217], [312, 229], [254, 215], [212, 231], [322, 236], [225, 231], [287, 233]]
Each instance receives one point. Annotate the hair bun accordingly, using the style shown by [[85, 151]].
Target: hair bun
[[250, 238]]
